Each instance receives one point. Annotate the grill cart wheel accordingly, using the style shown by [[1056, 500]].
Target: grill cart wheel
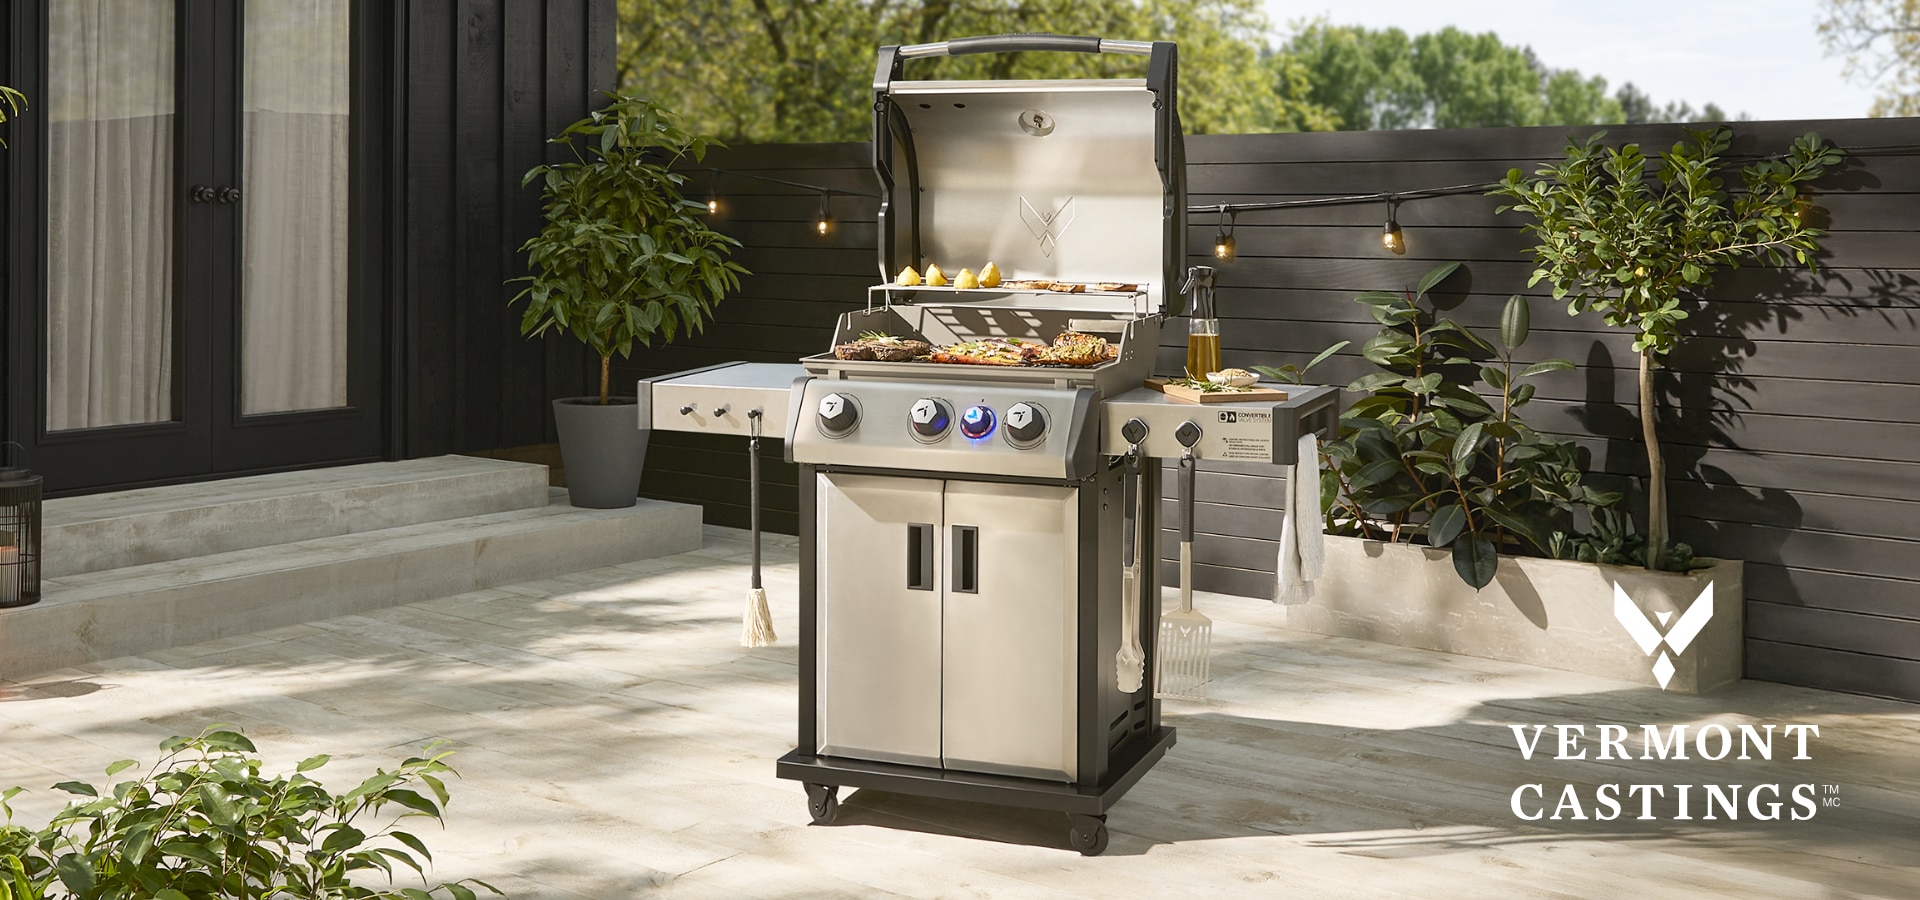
[[823, 803], [1088, 834]]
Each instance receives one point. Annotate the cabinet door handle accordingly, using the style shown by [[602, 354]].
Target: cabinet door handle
[[966, 559], [920, 557], [229, 194], [201, 193]]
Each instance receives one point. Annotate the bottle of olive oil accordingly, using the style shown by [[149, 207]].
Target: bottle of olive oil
[[1203, 329]]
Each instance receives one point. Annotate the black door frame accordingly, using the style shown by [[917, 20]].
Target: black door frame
[[225, 444]]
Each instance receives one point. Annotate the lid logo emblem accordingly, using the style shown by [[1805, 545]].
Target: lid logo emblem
[[1047, 227], [1036, 123]]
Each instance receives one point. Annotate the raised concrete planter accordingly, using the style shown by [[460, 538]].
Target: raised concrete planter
[[1543, 612]]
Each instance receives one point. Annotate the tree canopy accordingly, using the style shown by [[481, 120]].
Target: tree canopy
[[798, 70], [1387, 79], [1881, 42]]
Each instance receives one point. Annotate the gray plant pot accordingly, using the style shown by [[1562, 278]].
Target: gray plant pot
[[603, 449]]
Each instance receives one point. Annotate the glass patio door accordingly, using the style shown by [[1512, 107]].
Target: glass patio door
[[202, 315]]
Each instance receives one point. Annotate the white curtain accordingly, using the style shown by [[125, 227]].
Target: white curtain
[[293, 308], [109, 213]]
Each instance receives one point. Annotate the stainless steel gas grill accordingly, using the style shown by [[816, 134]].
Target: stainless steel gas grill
[[966, 529]]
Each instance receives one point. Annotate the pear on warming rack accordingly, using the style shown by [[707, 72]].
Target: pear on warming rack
[[966, 280], [935, 277], [990, 276], [907, 278]]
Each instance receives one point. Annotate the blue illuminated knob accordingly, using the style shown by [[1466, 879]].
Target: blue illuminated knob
[[977, 422], [930, 418]]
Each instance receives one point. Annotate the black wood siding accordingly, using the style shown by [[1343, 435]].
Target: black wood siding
[[485, 83], [1793, 417]]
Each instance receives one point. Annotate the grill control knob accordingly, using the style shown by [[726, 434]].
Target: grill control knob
[[977, 422], [838, 415], [1026, 424], [930, 418]]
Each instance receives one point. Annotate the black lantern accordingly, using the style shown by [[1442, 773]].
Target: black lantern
[[19, 536]]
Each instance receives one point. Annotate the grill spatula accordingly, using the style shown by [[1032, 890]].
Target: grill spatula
[[1186, 636]]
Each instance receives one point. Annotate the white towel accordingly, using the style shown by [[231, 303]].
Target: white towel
[[1303, 547]]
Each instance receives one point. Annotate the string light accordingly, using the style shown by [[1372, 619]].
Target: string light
[[713, 204], [824, 221], [1390, 236], [1223, 236]]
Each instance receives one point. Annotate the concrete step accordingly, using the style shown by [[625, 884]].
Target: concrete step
[[99, 532], [135, 609]]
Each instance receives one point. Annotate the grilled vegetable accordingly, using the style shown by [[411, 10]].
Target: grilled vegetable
[[990, 276], [935, 277], [875, 345], [907, 278], [966, 280]]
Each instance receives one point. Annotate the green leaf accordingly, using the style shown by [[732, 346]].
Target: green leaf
[[1514, 322], [220, 806], [342, 839], [1446, 524], [77, 787], [120, 766], [1544, 366], [1475, 560], [1322, 355], [1433, 278], [414, 843], [76, 873], [1464, 447], [1375, 473], [1367, 384], [312, 762]]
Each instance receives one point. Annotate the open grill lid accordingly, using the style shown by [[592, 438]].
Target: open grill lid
[[1081, 181]]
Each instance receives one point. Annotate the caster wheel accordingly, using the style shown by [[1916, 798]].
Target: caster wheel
[[1088, 834], [823, 803]]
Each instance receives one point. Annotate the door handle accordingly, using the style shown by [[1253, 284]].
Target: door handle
[[919, 557], [202, 194], [229, 194], [966, 559]]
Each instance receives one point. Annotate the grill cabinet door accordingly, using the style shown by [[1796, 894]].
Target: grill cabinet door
[[879, 618], [1009, 637]]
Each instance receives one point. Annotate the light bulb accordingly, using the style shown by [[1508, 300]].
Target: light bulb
[[713, 206], [822, 226], [1392, 239], [1223, 246]]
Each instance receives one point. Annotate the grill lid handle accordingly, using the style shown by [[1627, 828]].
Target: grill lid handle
[[1016, 43]]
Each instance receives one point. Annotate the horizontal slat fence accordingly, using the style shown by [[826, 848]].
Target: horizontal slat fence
[[1792, 415]]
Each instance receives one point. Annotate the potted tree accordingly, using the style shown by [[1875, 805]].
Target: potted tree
[[623, 258], [1453, 525], [1631, 249]]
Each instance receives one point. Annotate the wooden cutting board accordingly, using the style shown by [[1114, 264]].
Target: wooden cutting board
[[1186, 394]]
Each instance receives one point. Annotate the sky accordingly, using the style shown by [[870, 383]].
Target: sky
[[1761, 57]]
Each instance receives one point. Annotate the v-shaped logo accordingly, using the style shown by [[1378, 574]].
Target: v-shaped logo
[[1047, 227], [1648, 636]]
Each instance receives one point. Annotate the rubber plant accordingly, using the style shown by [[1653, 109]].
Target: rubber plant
[[204, 822], [623, 256], [1436, 450], [1630, 237]]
